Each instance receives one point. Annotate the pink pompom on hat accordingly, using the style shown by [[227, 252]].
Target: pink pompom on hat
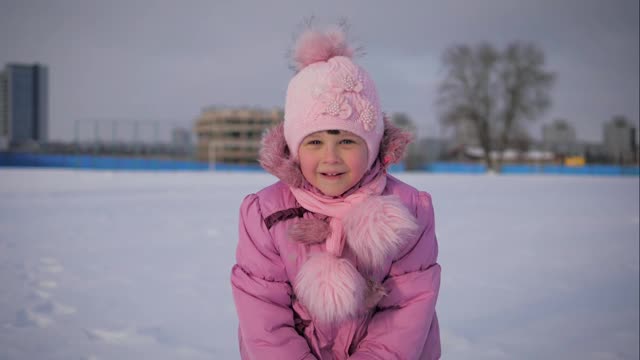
[[330, 92]]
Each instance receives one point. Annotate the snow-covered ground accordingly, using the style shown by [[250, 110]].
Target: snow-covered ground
[[135, 265]]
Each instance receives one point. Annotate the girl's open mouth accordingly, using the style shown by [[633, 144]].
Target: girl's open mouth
[[332, 174]]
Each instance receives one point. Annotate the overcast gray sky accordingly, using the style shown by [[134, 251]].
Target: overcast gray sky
[[166, 60]]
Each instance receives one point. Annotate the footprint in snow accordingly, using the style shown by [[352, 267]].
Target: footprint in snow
[[30, 318], [50, 265], [126, 336]]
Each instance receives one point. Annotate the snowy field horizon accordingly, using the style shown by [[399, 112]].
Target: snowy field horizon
[[135, 265]]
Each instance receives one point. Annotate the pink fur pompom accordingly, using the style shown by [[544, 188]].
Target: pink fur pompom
[[378, 228], [309, 231], [330, 288], [313, 46]]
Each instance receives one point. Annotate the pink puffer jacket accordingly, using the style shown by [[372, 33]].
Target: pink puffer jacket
[[275, 325]]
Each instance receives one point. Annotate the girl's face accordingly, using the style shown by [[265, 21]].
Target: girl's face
[[333, 161]]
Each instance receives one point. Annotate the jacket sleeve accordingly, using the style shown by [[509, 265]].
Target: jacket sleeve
[[262, 293], [406, 317]]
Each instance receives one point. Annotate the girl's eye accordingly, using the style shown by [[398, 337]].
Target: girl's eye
[[347, 141], [314, 142]]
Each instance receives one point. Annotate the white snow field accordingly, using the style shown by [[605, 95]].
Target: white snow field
[[135, 265]]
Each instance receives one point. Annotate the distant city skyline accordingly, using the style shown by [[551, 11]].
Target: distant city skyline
[[156, 61]]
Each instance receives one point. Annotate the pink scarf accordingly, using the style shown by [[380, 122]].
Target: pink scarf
[[338, 208]]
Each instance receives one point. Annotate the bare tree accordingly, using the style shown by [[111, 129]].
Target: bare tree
[[494, 92]]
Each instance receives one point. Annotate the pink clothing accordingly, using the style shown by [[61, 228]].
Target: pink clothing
[[331, 91], [275, 325], [338, 208]]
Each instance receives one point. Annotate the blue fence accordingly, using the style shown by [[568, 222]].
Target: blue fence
[[594, 170], [120, 163], [442, 167], [96, 162]]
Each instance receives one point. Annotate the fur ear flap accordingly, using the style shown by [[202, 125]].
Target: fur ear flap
[[394, 143], [274, 157], [378, 228]]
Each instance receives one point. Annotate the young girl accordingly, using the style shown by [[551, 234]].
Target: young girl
[[337, 260]]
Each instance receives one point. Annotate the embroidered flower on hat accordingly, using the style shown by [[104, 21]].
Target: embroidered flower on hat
[[345, 81], [351, 84], [367, 116], [336, 105]]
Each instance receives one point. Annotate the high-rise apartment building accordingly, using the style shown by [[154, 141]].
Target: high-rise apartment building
[[232, 135], [4, 116], [620, 140], [24, 104]]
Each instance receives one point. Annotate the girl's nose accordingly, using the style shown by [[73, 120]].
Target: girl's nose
[[331, 154]]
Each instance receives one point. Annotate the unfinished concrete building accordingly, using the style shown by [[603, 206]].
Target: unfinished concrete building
[[232, 135]]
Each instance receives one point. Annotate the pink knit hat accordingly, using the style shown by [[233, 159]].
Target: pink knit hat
[[330, 92]]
